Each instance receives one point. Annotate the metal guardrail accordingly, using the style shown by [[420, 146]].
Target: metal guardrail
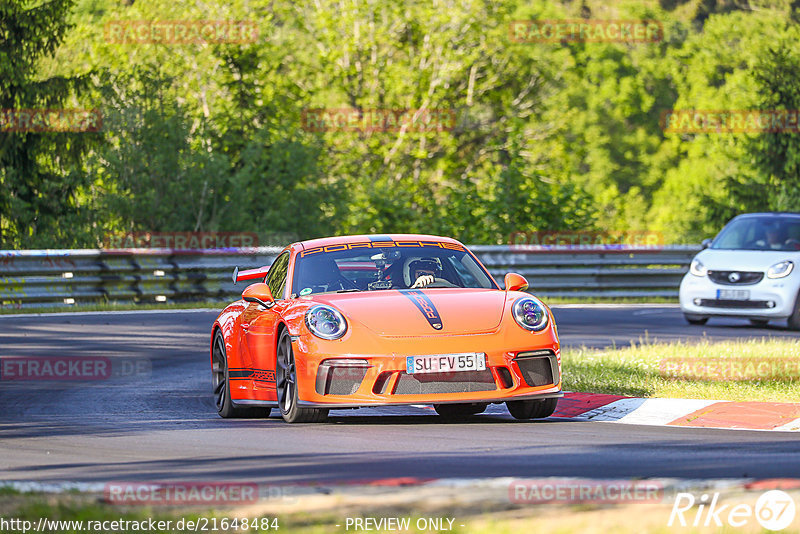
[[39, 278], [590, 271], [36, 278]]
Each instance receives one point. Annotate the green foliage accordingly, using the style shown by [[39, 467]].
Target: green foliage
[[546, 136], [41, 173], [777, 155]]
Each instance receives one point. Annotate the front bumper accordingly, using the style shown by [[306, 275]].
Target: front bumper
[[350, 380], [769, 298]]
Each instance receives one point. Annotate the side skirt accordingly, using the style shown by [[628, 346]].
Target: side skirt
[[248, 402]]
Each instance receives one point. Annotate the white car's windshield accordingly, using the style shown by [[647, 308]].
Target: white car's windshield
[[760, 233], [377, 268]]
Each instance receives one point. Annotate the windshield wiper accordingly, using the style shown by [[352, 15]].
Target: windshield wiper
[[347, 290]]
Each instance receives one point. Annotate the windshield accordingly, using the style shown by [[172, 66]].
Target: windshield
[[760, 233], [404, 265]]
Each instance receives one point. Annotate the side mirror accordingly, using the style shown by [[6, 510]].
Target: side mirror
[[258, 293], [705, 243], [515, 282]]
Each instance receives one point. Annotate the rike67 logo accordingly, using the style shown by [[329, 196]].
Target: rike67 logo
[[774, 510]]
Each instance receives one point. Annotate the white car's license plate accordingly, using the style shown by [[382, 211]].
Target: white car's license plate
[[733, 294], [446, 363]]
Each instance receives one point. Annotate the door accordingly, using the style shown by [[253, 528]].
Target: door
[[258, 326]]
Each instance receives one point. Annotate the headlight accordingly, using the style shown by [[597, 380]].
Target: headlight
[[325, 322], [530, 314], [697, 268], [779, 270]]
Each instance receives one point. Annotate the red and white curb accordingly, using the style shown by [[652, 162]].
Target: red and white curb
[[780, 416]]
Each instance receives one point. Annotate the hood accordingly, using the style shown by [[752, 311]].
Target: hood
[[744, 260], [422, 312]]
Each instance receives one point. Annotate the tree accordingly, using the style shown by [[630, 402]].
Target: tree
[[777, 154], [40, 172]]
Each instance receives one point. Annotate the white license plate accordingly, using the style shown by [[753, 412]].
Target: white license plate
[[446, 363], [733, 294]]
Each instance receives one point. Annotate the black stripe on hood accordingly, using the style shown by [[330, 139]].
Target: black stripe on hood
[[425, 305]]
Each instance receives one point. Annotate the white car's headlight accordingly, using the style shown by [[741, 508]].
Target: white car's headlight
[[779, 270], [325, 322], [697, 268], [530, 314]]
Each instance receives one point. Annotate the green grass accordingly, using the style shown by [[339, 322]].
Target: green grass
[[743, 370], [482, 519], [320, 515]]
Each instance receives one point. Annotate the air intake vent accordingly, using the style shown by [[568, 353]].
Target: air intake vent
[[539, 368], [457, 382], [505, 377], [339, 377]]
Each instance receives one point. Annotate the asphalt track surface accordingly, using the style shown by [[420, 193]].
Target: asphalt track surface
[[161, 425]]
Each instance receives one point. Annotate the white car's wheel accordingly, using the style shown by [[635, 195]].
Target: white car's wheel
[[695, 319], [794, 319]]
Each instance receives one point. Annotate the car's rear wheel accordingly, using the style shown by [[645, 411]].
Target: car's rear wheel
[[286, 385], [451, 411], [695, 319], [532, 409], [220, 380]]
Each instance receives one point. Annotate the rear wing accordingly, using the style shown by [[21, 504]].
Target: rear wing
[[249, 274]]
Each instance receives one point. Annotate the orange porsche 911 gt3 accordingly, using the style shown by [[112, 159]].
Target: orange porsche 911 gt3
[[376, 320]]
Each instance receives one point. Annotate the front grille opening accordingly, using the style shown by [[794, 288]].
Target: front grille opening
[[731, 278], [382, 383], [454, 382], [339, 380], [505, 377], [538, 369]]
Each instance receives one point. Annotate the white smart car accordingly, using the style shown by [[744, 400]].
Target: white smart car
[[749, 270]]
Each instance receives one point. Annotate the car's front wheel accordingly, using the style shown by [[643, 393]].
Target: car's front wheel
[[794, 319], [220, 381], [695, 319], [452, 411], [286, 385], [532, 409]]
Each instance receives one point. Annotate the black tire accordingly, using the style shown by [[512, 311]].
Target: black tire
[[220, 381], [759, 322], [286, 385], [453, 411], [695, 319], [532, 409], [793, 322]]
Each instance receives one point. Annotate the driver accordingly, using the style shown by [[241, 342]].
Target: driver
[[423, 271], [775, 237]]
